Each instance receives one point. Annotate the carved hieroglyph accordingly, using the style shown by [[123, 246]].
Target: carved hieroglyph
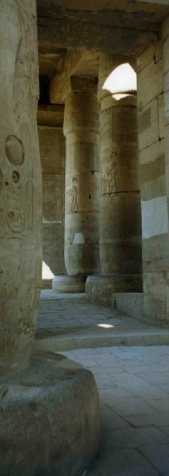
[[20, 183]]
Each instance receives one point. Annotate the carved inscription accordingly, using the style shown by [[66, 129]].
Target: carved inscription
[[16, 220], [20, 182], [15, 176], [16, 217], [14, 150]]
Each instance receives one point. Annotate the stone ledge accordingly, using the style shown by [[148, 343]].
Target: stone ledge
[[49, 419], [100, 288], [68, 284], [131, 304], [93, 340]]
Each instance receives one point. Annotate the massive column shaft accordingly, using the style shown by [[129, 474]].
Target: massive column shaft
[[81, 129], [20, 183], [50, 405], [120, 218], [120, 214]]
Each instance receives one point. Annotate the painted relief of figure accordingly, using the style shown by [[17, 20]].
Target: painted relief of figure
[[74, 196]]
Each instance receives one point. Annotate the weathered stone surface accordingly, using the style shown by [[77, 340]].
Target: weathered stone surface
[[81, 189], [20, 184], [153, 159], [49, 419]]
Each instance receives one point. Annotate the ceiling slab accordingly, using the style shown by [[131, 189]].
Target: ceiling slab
[[73, 33], [126, 5], [123, 26]]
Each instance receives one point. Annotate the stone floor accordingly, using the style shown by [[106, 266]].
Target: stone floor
[[70, 321], [134, 388], [133, 383]]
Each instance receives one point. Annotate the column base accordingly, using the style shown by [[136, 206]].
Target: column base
[[69, 284], [49, 419], [99, 288]]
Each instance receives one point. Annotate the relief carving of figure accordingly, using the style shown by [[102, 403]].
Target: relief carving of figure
[[74, 196], [110, 178]]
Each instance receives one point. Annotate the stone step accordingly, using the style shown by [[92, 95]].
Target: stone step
[[92, 339]]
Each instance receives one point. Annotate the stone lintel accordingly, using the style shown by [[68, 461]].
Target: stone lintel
[[51, 115], [79, 65], [83, 83]]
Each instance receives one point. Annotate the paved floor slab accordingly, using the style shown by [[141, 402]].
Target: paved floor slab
[[133, 381], [135, 417], [70, 321]]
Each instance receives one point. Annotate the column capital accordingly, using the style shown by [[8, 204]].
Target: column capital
[[81, 109], [80, 85]]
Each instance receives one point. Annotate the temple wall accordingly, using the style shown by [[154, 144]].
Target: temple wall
[[153, 162], [52, 150]]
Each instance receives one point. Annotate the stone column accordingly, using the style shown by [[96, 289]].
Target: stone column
[[42, 396], [52, 149], [81, 232], [120, 215], [20, 184]]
